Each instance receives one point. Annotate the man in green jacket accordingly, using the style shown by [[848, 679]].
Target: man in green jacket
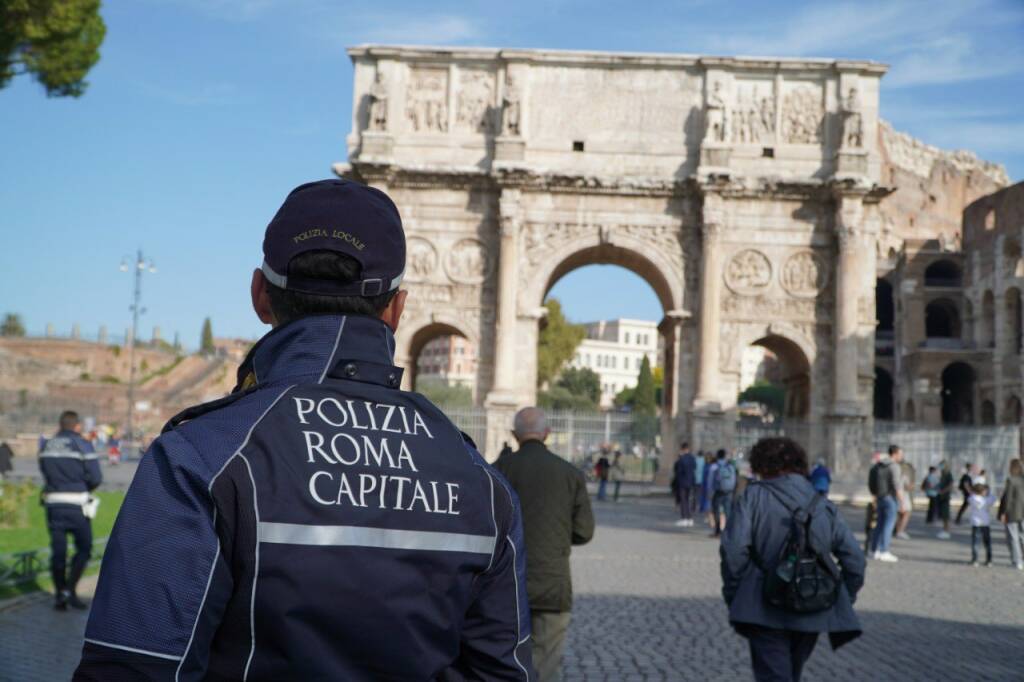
[[556, 515]]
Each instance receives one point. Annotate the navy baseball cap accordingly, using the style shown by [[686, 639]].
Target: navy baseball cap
[[343, 216]]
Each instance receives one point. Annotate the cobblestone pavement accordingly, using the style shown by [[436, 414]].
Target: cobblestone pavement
[[648, 608]]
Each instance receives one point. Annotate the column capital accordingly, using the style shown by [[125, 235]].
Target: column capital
[[711, 232]]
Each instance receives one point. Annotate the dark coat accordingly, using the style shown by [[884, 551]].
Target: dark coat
[[759, 522], [556, 515], [686, 471], [1012, 503]]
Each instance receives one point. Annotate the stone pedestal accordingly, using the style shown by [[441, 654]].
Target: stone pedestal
[[710, 429], [376, 145], [714, 159], [849, 444], [501, 410], [851, 163], [509, 148]]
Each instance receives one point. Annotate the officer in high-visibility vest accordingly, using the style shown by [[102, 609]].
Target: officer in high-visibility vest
[[318, 523], [70, 472]]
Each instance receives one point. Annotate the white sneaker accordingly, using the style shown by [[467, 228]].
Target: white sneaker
[[888, 556], [876, 554], [903, 536], [1020, 567], [681, 522], [942, 535]]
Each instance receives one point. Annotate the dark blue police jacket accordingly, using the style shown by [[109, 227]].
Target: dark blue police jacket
[[317, 524], [69, 465]]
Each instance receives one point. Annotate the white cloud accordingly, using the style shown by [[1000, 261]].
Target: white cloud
[[925, 42]]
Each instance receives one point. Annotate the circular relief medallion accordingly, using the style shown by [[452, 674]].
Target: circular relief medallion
[[468, 262], [421, 259], [748, 272], [805, 274]]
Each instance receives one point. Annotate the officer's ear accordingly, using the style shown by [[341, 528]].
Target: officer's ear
[[393, 312], [260, 298]]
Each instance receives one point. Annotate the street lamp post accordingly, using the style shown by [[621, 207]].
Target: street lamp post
[[139, 265]]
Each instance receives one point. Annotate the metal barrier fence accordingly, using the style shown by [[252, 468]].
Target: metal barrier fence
[[990, 447], [17, 568], [578, 437]]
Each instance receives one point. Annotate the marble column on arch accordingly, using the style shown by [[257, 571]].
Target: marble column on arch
[[847, 300], [710, 303], [503, 397]]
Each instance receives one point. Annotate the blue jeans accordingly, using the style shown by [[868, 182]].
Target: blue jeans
[[602, 489], [884, 524]]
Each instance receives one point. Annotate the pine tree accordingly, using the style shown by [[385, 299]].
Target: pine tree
[[645, 406], [206, 339]]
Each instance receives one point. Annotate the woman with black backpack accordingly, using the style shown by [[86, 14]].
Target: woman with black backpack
[[780, 575]]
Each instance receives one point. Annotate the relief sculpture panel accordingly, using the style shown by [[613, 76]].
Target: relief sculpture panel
[[752, 118], [474, 110], [427, 100], [422, 259], [805, 274], [469, 262], [748, 272], [803, 115]]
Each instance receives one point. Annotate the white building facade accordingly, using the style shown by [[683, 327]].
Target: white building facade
[[615, 349]]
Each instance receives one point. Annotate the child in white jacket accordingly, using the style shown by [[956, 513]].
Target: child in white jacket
[[979, 512]]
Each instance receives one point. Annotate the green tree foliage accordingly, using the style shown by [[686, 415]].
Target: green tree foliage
[[773, 397], [645, 406], [206, 338], [12, 325], [442, 393], [645, 400], [581, 381], [56, 41], [624, 398], [560, 398], [557, 343]]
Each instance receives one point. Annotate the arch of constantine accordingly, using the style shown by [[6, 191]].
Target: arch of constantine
[[746, 192]]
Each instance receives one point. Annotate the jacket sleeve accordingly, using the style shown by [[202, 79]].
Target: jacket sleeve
[[495, 635], [737, 544], [163, 583], [582, 514], [851, 558], [93, 473]]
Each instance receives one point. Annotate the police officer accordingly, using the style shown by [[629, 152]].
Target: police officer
[[318, 523], [70, 472]]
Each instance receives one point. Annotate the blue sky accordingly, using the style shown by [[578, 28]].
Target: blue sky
[[202, 114]]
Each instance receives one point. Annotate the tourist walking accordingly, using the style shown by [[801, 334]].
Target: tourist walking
[[723, 483], [696, 494], [616, 474], [556, 516], [979, 505], [71, 471], [706, 491], [685, 477], [907, 478], [930, 488], [821, 477], [1011, 513], [779, 518], [318, 523], [601, 470], [965, 486], [885, 484], [942, 499]]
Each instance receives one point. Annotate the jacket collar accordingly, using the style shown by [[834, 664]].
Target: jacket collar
[[354, 347]]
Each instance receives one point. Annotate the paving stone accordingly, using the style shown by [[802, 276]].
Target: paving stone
[[648, 607]]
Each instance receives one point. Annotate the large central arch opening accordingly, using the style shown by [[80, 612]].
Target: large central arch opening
[[617, 383]]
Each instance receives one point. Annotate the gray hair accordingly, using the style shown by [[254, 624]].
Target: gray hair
[[530, 421]]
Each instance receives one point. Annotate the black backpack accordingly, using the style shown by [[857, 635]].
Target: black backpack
[[802, 580]]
